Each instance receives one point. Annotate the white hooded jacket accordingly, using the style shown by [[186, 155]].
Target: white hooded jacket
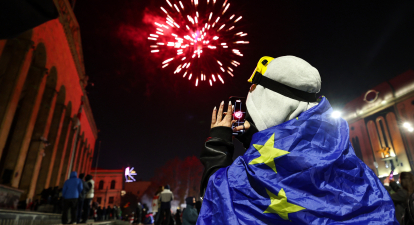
[[268, 108]]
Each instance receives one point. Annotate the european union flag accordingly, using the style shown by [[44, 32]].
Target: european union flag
[[303, 171]]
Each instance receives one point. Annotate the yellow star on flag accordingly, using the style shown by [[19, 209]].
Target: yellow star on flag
[[280, 206], [268, 153]]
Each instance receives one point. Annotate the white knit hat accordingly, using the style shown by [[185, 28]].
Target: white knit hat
[[269, 108]]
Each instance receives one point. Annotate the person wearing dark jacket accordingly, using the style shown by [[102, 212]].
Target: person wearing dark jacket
[[401, 195], [72, 188], [138, 213], [166, 196], [82, 196], [190, 214], [178, 217]]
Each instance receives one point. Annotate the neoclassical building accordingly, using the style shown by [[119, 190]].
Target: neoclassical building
[[108, 186], [47, 128], [381, 125]]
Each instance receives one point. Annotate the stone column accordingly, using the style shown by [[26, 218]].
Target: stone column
[[79, 149], [50, 151], [42, 127], [61, 151], [15, 62], [81, 157], [66, 157], [85, 161], [26, 118]]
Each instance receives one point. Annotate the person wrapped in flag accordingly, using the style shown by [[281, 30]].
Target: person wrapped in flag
[[299, 166]]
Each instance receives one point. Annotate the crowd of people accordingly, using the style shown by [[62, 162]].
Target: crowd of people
[[161, 210]]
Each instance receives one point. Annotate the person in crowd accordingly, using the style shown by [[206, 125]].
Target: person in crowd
[[190, 214], [149, 219], [119, 212], [297, 156], [72, 188], [401, 195], [198, 206], [138, 213], [144, 211], [155, 204], [82, 196], [90, 185], [166, 196], [114, 214], [178, 216], [104, 213], [100, 213], [108, 212]]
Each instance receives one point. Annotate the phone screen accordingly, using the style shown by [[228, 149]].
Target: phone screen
[[239, 112], [391, 174]]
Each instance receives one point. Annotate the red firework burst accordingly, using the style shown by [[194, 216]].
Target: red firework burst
[[199, 40]]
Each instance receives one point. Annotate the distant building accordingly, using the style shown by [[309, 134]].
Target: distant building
[[381, 125], [42, 88], [108, 186]]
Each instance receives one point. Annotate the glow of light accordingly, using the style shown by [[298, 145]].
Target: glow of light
[[185, 74], [187, 27], [165, 65], [189, 77], [183, 59], [153, 51], [221, 79], [196, 84], [160, 30], [150, 38], [222, 69], [384, 102], [221, 27], [218, 18], [154, 35], [214, 78], [230, 69], [219, 63], [197, 14], [410, 129], [231, 28], [242, 35], [211, 83], [176, 25], [181, 4], [223, 44], [164, 10], [195, 18], [169, 3], [336, 114], [168, 60], [406, 125], [175, 6], [188, 65], [238, 114], [238, 19], [154, 46], [160, 43], [158, 24], [159, 33], [196, 2], [209, 18], [231, 74], [215, 38], [226, 8], [231, 17]]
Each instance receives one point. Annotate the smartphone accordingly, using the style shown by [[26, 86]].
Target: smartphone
[[392, 174], [239, 112]]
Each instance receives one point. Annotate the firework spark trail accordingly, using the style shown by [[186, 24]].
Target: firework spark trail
[[199, 40]]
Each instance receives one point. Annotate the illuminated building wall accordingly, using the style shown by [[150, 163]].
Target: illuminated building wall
[[42, 85], [108, 186], [381, 125]]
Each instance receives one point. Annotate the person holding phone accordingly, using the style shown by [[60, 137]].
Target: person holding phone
[[401, 194], [299, 166]]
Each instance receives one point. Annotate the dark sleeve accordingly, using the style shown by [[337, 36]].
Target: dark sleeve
[[394, 186], [217, 153]]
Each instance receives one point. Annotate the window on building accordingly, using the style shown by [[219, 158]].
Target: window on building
[[99, 200], [101, 184], [111, 200], [113, 184]]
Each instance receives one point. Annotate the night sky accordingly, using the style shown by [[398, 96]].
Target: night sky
[[147, 116]]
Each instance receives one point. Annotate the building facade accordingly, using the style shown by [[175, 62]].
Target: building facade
[[47, 128], [108, 186], [381, 125]]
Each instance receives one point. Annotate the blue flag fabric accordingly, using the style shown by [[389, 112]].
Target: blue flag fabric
[[303, 171]]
